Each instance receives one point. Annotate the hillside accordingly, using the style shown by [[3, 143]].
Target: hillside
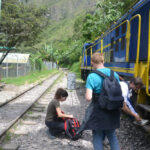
[[61, 15], [62, 9]]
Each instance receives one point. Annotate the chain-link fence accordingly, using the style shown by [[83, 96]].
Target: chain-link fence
[[21, 69], [50, 65]]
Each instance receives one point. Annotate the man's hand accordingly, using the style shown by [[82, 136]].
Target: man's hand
[[71, 116]]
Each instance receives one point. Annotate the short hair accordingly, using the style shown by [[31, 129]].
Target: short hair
[[97, 58], [137, 81], [61, 93]]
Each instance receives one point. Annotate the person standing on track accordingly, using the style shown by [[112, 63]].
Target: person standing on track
[[55, 117], [102, 122]]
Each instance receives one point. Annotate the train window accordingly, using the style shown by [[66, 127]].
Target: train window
[[117, 32], [123, 30], [112, 43], [117, 45], [123, 43]]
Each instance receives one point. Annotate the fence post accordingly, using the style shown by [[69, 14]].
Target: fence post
[[6, 70], [17, 68], [24, 69]]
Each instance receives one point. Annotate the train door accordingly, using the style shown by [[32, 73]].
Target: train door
[[135, 30], [135, 34]]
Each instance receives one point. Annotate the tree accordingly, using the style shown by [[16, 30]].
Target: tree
[[20, 23], [106, 13]]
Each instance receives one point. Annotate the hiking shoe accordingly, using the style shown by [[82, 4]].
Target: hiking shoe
[[143, 122]]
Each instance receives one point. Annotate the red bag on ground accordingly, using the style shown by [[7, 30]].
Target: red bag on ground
[[71, 126]]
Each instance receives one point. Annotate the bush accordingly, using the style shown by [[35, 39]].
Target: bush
[[76, 69]]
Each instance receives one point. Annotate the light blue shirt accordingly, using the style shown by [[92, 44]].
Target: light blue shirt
[[94, 81]]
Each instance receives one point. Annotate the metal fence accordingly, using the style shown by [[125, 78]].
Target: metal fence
[[22, 69]]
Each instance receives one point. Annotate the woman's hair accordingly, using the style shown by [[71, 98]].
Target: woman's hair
[[61, 93], [97, 58]]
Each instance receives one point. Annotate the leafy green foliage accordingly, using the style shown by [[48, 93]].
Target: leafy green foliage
[[76, 69], [20, 23], [90, 26], [107, 12]]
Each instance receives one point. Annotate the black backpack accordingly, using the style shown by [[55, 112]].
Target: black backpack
[[110, 97], [71, 127]]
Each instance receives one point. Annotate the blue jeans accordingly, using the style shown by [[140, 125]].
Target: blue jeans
[[55, 127], [99, 136]]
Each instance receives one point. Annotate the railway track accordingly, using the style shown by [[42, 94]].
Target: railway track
[[30, 132], [11, 111], [24, 91]]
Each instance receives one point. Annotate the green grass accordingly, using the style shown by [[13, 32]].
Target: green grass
[[76, 69], [30, 112], [7, 137], [31, 78]]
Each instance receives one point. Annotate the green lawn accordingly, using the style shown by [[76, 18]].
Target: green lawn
[[31, 78]]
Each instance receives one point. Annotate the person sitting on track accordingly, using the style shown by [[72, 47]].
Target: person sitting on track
[[127, 89], [54, 117]]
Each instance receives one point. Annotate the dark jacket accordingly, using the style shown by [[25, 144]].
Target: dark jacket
[[100, 119]]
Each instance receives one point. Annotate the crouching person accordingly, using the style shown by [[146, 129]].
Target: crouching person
[[127, 89], [55, 118]]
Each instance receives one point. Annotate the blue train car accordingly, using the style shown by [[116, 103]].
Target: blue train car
[[126, 49]]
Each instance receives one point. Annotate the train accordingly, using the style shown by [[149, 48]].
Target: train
[[126, 49]]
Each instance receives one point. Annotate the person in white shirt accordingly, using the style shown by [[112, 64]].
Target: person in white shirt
[[135, 85]]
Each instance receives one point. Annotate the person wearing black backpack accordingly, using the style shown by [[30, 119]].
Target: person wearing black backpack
[[101, 121]]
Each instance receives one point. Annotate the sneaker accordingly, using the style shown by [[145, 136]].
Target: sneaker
[[143, 122]]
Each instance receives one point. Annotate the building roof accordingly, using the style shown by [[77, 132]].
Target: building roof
[[16, 58]]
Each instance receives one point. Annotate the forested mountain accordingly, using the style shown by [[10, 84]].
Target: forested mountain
[[62, 9], [57, 29], [61, 15]]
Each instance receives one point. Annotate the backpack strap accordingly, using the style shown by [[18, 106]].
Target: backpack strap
[[100, 73], [67, 127], [111, 74]]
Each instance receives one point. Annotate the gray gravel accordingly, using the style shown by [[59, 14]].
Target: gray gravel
[[31, 132], [10, 112], [32, 135], [132, 137]]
